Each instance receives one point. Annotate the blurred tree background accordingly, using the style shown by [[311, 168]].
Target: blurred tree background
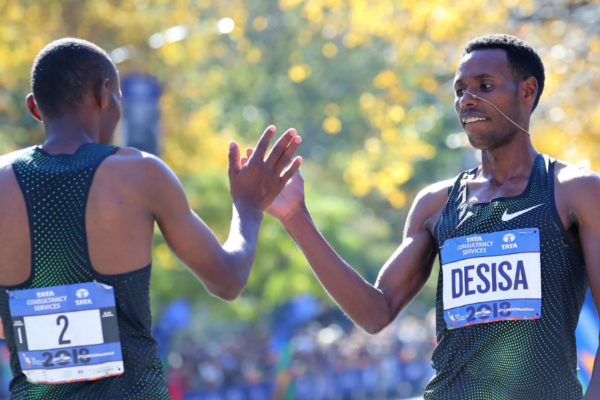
[[367, 83]]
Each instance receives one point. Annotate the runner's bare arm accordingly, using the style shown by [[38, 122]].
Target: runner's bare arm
[[224, 269], [372, 307], [576, 197]]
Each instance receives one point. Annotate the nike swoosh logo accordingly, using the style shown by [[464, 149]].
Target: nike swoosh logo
[[508, 216]]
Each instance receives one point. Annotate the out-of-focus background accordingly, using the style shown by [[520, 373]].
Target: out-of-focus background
[[368, 85]]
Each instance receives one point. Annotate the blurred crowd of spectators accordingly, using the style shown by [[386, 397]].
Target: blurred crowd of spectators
[[320, 360], [321, 357]]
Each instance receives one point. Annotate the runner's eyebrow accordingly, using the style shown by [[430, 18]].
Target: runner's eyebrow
[[478, 76]]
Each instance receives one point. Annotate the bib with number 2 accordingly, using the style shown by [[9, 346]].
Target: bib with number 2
[[66, 333]]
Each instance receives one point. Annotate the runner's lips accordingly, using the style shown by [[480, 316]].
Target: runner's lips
[[472, 118]]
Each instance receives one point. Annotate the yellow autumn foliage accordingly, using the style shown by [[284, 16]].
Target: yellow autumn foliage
[[416, 47]]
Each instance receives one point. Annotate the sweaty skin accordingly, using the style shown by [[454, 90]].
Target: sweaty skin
[[507, 160]]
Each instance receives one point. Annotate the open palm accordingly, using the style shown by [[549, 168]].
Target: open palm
[[258, 178], [289, 200]]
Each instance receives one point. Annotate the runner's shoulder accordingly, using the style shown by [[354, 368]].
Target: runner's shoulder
[[429, 203], [577, 188], [6, 161], [575, 178], [131, 160], [132, 156], [136, 169], [434, 195]]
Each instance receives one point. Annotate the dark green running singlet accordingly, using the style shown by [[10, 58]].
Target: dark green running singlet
[[56, 188], [489, 352]]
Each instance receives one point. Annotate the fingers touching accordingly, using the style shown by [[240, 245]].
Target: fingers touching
[[263, 144], [249, 151], [282, 160], [292, 169], [283, 150], [259, 177], [281, 155]]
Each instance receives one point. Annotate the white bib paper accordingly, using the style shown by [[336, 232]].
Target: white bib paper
[[66, 333], [492, 277]]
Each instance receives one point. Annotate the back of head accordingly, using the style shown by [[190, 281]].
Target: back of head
[[64, 71], [522, 57]]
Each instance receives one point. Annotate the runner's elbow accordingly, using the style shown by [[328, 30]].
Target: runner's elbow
[[375, 321], [227, 296], [227, 292], [375, 326], [231, 279], [232, 283], [372, 330]]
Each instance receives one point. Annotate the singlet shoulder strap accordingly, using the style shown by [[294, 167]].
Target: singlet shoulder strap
[[549, 163], [540, 181], [456, 196]]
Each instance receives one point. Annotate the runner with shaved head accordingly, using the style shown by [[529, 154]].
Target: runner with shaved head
[[77, 217]]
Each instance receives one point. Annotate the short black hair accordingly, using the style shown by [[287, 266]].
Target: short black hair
[[522, 57], [64, 71]]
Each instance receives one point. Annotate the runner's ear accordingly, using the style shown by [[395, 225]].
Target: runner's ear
[[102, 93], [529, 90], [32, 107]]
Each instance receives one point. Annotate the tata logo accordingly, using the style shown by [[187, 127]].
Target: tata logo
[[508, 238], [82, 293]]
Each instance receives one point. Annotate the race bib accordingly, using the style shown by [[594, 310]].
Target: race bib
[[492, 277], [66, 333]]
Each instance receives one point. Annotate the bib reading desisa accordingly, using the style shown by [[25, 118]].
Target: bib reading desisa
[[492, 277]]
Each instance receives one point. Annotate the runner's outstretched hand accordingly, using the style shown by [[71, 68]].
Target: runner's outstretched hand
[[290, 200], [258, 178]]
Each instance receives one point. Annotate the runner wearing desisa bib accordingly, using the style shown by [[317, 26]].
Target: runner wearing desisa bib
[[506, 314], [518, 239]]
